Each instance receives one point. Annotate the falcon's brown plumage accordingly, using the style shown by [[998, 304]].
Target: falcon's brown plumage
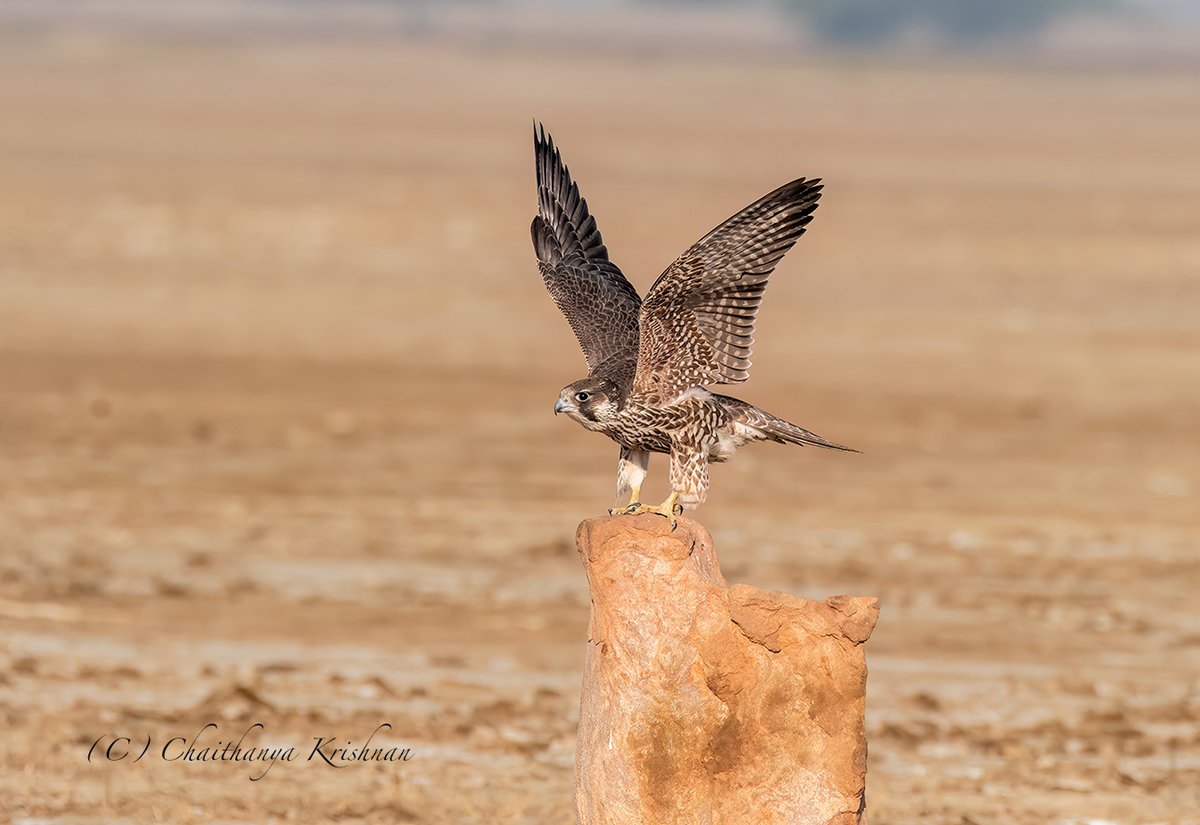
[[649, 360]]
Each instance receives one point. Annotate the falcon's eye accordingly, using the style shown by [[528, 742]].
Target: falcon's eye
[[581, 397]]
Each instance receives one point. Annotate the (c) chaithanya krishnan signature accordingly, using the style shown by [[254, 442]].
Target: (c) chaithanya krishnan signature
[[327, 749]]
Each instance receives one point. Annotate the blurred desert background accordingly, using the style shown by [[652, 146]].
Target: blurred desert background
[[277, 369]]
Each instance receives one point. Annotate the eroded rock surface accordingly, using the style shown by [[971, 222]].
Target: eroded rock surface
[[709, 704]]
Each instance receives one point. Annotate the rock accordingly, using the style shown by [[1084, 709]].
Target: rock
[[713, 705]]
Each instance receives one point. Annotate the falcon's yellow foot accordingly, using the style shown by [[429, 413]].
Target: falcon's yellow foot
[[669, 509], [618, 510]]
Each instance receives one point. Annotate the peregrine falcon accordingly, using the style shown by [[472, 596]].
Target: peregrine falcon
[[650, 359]]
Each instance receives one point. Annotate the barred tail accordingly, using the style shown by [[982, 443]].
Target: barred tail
[[785, 432], [772, 427]]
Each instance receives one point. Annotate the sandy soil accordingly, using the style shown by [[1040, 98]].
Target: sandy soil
[[276, 373]]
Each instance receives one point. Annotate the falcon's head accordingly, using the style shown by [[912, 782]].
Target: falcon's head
[[591, 401]]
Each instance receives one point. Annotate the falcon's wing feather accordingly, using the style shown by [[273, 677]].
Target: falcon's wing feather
[[599, 303], [697, 322]]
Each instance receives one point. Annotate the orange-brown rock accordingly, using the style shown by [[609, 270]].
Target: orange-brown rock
[[713, 705]]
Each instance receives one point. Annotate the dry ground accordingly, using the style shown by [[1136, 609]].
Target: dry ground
[[277, 370]]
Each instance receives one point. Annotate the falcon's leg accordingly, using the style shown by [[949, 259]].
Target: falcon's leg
[[689, 482], [631, 471]]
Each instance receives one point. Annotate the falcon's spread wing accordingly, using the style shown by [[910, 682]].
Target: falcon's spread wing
[[697, 322], [599, 303]]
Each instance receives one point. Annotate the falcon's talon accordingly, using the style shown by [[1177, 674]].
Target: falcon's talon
[[631, 509], [668, 509]]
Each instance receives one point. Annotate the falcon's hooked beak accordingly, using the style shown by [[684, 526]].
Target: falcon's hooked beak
[[561, 406]]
